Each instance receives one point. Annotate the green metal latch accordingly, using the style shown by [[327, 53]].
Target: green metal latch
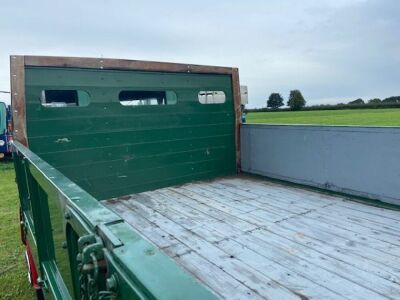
[[91, 268]]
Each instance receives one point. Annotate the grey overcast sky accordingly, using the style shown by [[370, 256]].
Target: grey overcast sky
[[332, 50]]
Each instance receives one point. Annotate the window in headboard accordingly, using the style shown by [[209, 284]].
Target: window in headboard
[[134, 98], [64, 98], [211, 97]]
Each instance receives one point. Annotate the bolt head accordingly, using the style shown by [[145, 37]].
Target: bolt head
[[111, 283], [67, 215]]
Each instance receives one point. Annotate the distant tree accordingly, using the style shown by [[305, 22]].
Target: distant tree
[[357, 101], [296, 100], [275, 101], [393, 99], [375, 101]]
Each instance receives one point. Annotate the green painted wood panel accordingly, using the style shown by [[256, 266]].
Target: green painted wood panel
[[111, 150]]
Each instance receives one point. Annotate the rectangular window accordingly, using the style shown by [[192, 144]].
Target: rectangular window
[[211, 97], [64, 98], [134, 98]]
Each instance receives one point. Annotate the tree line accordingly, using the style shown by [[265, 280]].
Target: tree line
[[389, 100], [296, 101]]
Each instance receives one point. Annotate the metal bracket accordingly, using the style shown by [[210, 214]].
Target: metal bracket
[[90, 253], [91, 262], [110, 240]]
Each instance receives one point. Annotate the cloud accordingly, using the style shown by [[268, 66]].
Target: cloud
[[330, 50]]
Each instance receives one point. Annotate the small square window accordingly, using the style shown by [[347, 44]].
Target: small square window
[[211, 97]]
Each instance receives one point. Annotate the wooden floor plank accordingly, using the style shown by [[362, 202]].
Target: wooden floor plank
[[241, 208], [354, 215], [331, 233], [237, 204], [381, 213], [251, 278], [261, 256], [190, 219], [150, 231], [373, 212], [377, 233], [208, 233], [254, 200], [206, 209], [219, 281], [344, 253], [167, 210], [222, 207], [340, 214], [282, 192], [246, 238], [352, 271]]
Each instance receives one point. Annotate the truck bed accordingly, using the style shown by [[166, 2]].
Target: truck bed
[[248, 238]]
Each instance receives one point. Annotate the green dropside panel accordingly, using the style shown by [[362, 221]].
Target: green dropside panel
[[112, 150], [141, 269]]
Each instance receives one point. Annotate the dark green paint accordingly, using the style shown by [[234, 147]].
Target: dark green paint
[[142, 271], [79, 155], [111, 150]]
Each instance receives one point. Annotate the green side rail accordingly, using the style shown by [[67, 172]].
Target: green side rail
[[96, 255]]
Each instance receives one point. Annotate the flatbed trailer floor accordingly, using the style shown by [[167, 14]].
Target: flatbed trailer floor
[[248, 238]]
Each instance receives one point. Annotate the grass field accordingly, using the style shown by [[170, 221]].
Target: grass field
[[369, 117], [13, 275]]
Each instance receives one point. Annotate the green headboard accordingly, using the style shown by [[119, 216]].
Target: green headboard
[[112, 150]]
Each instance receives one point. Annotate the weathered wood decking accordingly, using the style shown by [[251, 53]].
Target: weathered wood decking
[[246, 238]]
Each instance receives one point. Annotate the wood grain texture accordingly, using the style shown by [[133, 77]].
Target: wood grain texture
[[121, 64], [247, 238], [238, 113], [17, 80]]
